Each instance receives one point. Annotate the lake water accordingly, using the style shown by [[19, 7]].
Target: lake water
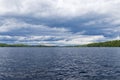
[[59, 63]]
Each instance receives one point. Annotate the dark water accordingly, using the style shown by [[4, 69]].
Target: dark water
[[59, 63]]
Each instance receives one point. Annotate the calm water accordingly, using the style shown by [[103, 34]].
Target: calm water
[[59, 63]]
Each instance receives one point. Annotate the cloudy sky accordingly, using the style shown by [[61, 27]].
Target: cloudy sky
[[59, 22]]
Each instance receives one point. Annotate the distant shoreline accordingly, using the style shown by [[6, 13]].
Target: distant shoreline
[[115, 43]]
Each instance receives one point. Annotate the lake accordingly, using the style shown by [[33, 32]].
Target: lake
[[59, 63]]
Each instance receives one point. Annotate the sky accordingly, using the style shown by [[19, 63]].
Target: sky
[[59, 22]]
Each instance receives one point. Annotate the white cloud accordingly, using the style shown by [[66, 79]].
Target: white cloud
[[8, 25], [80, 39], [59, 8], [62, 40], [11, 24]]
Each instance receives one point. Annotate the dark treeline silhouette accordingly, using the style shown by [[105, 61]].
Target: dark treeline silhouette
[[115, 43], [22, 45]]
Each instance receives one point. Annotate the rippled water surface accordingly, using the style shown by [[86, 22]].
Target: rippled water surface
[[59, 63]]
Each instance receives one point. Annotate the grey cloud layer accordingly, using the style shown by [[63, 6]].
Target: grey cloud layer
[[20, 32], [56, 21]]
